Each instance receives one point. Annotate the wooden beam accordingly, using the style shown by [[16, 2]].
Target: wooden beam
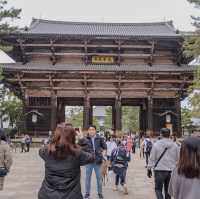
[[102, 80], [101, 88], [80, 54], [89, 45]]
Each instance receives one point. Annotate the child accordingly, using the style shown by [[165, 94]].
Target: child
[[119, 162]]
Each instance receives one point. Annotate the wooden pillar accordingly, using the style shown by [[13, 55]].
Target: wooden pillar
[[90, 115], [113, 118], [25, 103], [150, 114], [86, 112], [178, 112], [118, 114], [142, 118], [53, 111]]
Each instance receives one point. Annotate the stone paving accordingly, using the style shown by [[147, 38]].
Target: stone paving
[[27, 173]]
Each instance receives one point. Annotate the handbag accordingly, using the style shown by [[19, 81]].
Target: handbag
[[3, 172]]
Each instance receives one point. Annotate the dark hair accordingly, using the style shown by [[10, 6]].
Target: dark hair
[[189, 161], [92, 126], [165, 132], [63, 142]]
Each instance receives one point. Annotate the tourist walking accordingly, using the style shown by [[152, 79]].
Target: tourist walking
[[185, 178], [63, 159], [129, 145], [119, 162], [97, 146], [147, 146], [27, 142], [163, 159], [23, 144], [5, 158]]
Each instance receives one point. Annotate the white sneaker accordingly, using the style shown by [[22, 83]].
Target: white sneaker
[[115, 188], [125, 189]]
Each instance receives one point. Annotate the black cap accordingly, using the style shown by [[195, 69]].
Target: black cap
[[165, 132]]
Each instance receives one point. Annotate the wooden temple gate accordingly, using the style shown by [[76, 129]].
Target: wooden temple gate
[[89, 64]]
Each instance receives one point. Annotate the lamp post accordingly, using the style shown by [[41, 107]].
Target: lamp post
[[168, 118], [34, 121], [168, 122]]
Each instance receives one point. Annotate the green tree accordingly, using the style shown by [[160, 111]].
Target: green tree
[[11, 109], [130, 118], [192, 44], [187, 124], [108, 118], [7, 13], [75, 117], [194, 97], [192, 49], [186, 115]]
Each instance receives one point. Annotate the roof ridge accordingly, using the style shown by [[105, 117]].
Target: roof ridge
[[35, 21]]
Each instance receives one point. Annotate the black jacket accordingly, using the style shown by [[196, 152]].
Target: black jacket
[[100, 145], [62, 177]]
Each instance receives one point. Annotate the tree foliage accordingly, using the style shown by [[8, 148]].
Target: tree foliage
[[11, 109], [192, 44], [130, 118], [75, 117], [7, 13]]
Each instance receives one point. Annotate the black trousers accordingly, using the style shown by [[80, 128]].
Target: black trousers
[[121, 177], [27, 147], [147, 155], [162, 179]]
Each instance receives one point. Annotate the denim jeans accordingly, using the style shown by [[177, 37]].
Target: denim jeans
[[121, 177], [89, 169], [162, 179]]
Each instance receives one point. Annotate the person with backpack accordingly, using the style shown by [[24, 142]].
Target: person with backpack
[[147, 146], [185, 178], [119, 162], [27, 142], [163, 159]]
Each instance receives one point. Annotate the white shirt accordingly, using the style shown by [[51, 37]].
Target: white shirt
[[110, 146]]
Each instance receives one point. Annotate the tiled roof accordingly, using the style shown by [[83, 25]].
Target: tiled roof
[[107, 68], [156, 29]]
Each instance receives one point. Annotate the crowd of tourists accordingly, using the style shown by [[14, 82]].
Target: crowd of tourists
[[175, 166]]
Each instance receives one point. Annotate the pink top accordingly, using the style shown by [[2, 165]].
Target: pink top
[[129, 144]]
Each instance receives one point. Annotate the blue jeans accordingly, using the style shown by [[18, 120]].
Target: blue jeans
[[97, 169]]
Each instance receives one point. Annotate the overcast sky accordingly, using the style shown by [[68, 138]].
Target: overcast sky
[[108, 11]]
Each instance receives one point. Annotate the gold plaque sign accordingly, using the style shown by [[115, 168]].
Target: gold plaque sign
[[102, 60]]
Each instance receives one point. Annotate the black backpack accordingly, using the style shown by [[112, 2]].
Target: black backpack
[[120, 156], [149, 146]]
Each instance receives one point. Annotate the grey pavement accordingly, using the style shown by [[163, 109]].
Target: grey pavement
[[27, 173]]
